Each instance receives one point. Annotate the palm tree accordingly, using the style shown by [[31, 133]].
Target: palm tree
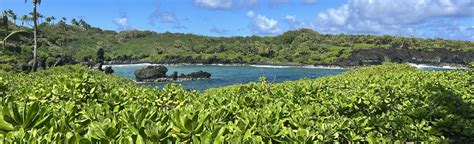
[[53, 18], [24, 19], [48, 20], [5, 20], [35, 31], [12, 15], [5, 40], [75, 22]]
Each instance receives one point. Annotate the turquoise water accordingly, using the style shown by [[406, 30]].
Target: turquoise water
[[230, 75]]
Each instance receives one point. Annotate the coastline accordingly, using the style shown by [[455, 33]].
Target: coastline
[[235, 64], [277, 65]]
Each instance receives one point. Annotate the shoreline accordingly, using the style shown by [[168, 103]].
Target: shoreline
[[282, 65], [251, 65]]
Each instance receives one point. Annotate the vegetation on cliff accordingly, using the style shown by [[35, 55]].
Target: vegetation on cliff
[[77, 41]]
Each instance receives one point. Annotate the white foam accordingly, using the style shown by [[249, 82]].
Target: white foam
[[304, 66], [261, 66], [127, 65], [423, 66], [270, 66]]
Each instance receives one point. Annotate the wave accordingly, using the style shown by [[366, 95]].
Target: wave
[[260, 66], [419, 66], [304, 66], [423, 66], [127, 65]]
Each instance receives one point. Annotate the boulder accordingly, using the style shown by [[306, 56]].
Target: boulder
[[151, 72], [198, 75], [108, 70], [175, 76]]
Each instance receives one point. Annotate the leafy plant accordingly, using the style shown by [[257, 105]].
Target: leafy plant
[[401, 104]]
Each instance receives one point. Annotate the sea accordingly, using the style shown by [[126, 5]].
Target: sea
[[225, 75]]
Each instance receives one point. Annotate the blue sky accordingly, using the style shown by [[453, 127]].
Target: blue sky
[[451, 19]]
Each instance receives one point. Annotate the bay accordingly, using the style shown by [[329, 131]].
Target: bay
[[225, 75], [229, 75]]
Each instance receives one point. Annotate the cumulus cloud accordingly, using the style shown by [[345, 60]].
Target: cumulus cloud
[[251, 14], [237, 4], [122, 24], [179, 26], [167, 17], [262, 25], [162, 16], [217, 30], [404, 17], [293, 23], [215, 4]]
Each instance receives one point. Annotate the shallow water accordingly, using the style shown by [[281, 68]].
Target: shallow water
[[230, 75]]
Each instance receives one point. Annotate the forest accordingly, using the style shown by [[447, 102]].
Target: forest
[[62, 41]]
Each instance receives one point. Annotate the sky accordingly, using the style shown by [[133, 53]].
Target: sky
[[449, 19]]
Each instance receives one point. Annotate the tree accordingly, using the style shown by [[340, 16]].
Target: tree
[[48, 20], [5, 20], [35, 31], [100, 57], [24, 19], [39, 16], [53, 18], [74, 22], [84, 24], [5, 40], [12, 15]]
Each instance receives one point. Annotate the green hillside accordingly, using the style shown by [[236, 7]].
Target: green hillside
[[77, 42]]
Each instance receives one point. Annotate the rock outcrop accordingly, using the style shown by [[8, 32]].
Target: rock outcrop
[[158, 74], [197, 75], [151, 72], [433, 57]]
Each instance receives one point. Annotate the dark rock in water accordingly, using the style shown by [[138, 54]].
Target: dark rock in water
[[108, 70], [158, 74], [151, 72], [198, 75], [175, 76]]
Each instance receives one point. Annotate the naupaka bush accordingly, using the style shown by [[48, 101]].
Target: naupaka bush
[[373, 104]]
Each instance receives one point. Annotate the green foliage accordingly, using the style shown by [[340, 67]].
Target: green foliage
[[305, 46], [75, 105]]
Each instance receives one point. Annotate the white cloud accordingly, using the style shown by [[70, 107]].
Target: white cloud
[[122, 23], [219, 31], [293, 23], [250, 14], [215, 4], [290, 18], [262, 25], [335, 16], [167, 17], [400, 17]]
